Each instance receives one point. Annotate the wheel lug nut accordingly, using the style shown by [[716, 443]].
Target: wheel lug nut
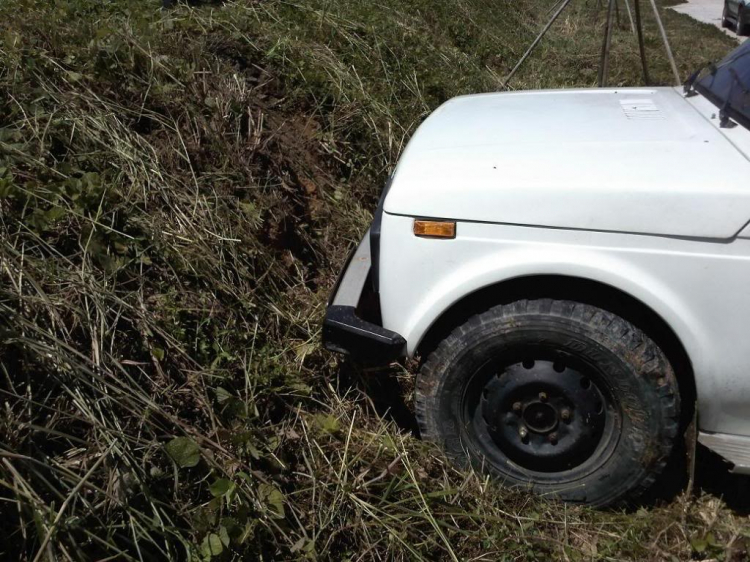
[[524, 433], [553, 438], [517, 406], [543, 396], [565, 415]]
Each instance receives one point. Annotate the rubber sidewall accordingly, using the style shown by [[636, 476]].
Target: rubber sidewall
[[640, 384]]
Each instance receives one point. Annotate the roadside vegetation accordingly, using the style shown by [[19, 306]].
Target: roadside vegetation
[[178, 189]]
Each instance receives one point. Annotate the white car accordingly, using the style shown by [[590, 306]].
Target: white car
[[572, 268]]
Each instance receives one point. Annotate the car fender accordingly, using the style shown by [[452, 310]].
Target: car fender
[[696, 286], [534, 260]]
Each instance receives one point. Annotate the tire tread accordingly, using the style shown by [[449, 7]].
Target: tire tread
[[641, 349]]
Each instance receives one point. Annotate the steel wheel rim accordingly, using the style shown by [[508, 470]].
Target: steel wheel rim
[[522, 414]]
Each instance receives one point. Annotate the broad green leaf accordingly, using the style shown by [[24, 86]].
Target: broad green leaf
[[223, 395], [184, 452], [224, 536], [221, 487], [211, 546], [273, 499], [327, 423], [699, 544], [303, 389], [55, 213]]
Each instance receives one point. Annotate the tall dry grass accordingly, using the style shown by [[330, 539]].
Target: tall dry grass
[[177, 191]]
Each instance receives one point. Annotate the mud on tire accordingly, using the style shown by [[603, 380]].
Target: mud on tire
[[562, 398]]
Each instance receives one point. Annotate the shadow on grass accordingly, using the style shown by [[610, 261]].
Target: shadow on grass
[[389, 390], [390, 393], [713, 476]]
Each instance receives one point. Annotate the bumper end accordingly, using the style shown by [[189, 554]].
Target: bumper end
[[344, 332], [344, 329]]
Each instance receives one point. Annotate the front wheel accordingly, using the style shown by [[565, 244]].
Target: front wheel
[[724, 19], [564, 398]]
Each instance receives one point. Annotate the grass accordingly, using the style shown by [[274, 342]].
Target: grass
[[178, 189]]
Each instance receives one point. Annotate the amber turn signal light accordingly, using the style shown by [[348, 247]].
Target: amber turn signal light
[[435, 229]]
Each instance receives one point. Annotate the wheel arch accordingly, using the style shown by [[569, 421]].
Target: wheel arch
[[587, 291]]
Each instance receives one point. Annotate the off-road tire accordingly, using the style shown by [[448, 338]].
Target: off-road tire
[[635, 375]]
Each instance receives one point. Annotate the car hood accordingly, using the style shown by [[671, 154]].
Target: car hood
[[627, 160]]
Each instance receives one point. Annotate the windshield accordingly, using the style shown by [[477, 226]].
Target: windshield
[[727, 85]]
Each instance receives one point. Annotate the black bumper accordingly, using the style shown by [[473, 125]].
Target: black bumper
[[346, 329], [344, 332]]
